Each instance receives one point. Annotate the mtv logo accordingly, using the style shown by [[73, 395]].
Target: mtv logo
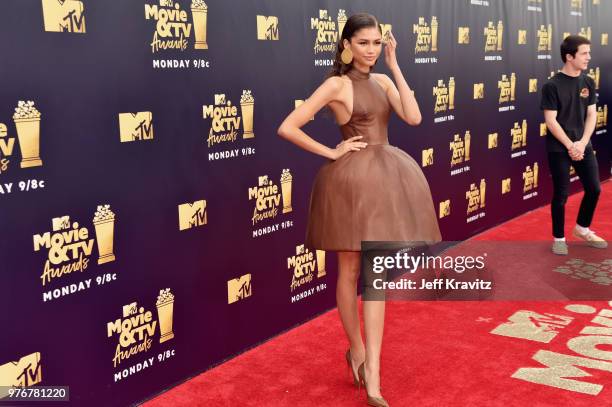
[[135, 126], [478, 90], [532, 326], [505, 185], [166, 3], [61, 223], [522, 37], [299, 102], [267, 28], [492, 140], [533, 85], [543, 129], [262, 180], [220, 99], [192, 215], [322, 14], [428, 158], [386, 30], [130, 309], [463, 36], [444, 209], [22, 373], [239, 288], [63, 16], [301, 249]]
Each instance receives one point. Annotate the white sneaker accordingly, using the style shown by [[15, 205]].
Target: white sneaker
[[591, 239], [559, 247]]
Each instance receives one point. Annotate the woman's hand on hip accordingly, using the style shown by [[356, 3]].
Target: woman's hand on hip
[[348, 145]]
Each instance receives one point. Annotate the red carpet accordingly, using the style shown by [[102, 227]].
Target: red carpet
[[434, 353]]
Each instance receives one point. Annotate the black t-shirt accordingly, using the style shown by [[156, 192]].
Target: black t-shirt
[[569, 96]]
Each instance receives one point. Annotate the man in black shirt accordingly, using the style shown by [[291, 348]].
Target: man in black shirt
[[569, 105]]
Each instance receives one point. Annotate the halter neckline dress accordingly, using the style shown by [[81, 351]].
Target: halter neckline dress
[[376, 194]]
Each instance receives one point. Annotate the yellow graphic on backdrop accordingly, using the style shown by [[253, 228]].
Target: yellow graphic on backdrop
[[267, 28], [25, 372], [135, 126], [427, 35], [63, 16], [239, 288], [192, 215]]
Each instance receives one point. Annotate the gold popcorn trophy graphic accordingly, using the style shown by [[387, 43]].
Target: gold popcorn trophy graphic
[[320, 263], [199, 11], [165, 311], [602, 116], [247, 105], [104, 222], [483, 189], [342, 21], [595, 75], [478, 91], [451, 93], [492, 140], [500, 34], [286, 182], [506, 186], [427, 157], [463, 35], [27, 122], [444, 209], [434, 33]]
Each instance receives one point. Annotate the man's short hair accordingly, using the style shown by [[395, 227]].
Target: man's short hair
[[570, 45]]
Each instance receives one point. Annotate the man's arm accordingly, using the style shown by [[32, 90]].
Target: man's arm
[[550, 116], [589, 124]]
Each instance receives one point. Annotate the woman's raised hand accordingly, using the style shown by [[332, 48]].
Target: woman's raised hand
[[390, 54]]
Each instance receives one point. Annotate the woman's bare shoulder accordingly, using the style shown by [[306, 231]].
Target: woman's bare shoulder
[[382, 79]]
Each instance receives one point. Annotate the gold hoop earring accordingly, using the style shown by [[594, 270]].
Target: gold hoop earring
[[346, 56]]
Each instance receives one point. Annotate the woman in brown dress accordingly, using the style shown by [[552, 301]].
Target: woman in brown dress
[[368, 190]]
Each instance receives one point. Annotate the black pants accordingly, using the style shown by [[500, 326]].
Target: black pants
[[587, 169]]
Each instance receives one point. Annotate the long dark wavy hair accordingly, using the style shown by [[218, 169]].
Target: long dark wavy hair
[[355, 23]]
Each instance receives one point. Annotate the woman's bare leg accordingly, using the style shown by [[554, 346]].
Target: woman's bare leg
[[346, 298], [374, 321]]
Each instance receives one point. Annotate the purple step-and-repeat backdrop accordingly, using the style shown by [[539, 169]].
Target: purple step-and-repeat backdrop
[[153, 222]]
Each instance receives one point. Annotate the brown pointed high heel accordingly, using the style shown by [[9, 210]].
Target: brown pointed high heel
[[350, 367], [372, 401]]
